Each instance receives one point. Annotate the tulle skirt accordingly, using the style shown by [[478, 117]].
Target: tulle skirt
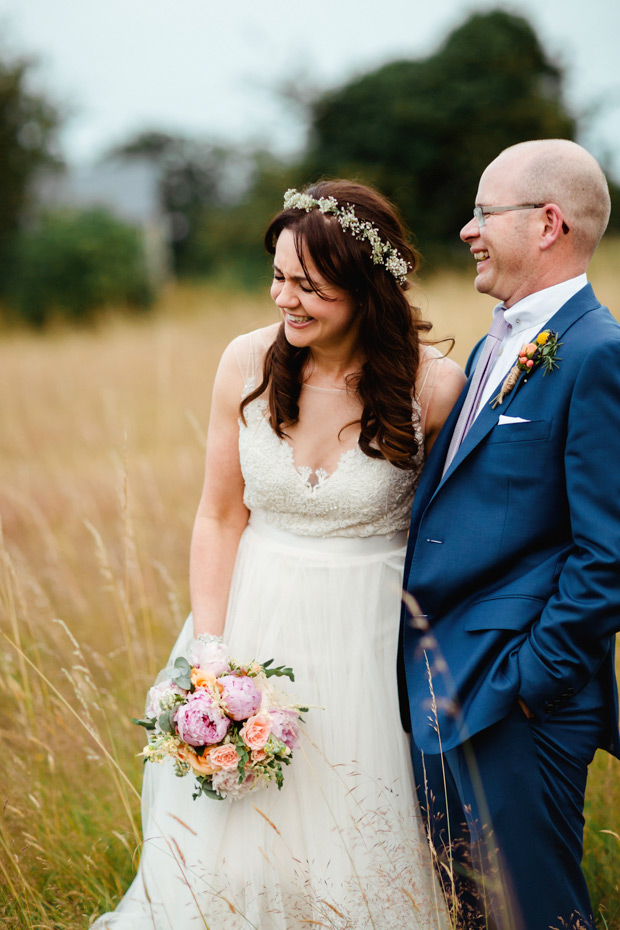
[[341, 845]]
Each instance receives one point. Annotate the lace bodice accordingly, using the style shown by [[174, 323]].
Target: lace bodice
[[362, 496]]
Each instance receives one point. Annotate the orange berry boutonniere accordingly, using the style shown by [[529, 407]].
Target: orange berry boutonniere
[[543, 351]]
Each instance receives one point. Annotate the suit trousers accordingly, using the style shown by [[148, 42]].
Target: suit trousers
[[505, 813]]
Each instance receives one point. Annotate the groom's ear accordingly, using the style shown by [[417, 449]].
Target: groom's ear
[[554, 226]]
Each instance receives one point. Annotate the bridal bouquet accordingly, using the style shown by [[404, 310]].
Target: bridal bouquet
[[221, 721]]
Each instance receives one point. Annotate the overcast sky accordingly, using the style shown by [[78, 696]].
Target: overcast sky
[[211, 67]]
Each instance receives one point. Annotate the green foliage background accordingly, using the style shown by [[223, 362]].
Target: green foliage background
[[28, 128], [72, 263], [422, 130]]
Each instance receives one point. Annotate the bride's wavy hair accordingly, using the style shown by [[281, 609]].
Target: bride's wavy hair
[[389, 327]]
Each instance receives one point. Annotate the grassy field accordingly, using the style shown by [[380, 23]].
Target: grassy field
[[101, 468]]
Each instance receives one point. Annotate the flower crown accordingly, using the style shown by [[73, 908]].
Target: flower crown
[[382, 253]]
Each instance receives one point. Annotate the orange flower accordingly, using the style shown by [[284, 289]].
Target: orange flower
[[202, 765], [202, 679]]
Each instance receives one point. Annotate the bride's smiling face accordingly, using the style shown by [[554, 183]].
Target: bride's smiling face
[[326, 320]]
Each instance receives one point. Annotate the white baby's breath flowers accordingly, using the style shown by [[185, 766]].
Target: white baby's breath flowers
[[382, 253]]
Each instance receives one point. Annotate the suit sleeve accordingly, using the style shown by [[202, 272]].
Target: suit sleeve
[[573, 635]]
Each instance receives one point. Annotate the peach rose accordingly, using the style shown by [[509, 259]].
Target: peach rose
[[226, 757], [202, 679], [256, 731], [257, 755], [530, 348]]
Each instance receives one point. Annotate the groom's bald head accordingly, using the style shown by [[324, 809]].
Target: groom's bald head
[[562, 172]]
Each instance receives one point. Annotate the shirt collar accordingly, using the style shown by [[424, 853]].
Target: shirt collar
[[537, 308]]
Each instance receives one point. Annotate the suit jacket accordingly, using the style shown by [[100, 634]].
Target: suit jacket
[[514, 555]]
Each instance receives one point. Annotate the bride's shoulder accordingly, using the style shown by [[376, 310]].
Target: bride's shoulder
[[439, 382], [241, 364], [436, 367], [439, 379], [249, 349], [242, 360]]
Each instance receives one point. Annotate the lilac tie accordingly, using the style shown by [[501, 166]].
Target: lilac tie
[[499, 328]]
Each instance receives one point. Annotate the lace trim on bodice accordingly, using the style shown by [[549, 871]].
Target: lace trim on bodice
[[362, 496]]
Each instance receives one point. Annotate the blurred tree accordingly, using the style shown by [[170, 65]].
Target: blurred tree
[[219, 202], [424, 130], [28, 125], [230, 237], [193, 181], [72, 263]]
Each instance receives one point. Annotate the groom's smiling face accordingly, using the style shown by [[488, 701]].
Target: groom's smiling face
[[506, 247]]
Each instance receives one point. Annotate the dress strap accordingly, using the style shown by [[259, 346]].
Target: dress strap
[[244, 347], [249, 350], [425, 390]]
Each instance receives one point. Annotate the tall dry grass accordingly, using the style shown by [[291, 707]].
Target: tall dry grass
[[102, 435]]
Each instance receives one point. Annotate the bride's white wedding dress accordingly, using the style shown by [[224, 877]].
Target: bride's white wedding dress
[[317, 586]]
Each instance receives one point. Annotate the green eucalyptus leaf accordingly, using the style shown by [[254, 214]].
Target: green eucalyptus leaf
[[147, 723], [166, 721], [210, 793], [281, 672]]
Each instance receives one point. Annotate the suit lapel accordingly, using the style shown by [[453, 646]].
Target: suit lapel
[[582, 302]]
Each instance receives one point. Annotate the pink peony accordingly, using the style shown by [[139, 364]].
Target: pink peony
[[210, 657], [284, 726], [227, 784], [200, 722], [241, 696], [256, 731], [225, 756]]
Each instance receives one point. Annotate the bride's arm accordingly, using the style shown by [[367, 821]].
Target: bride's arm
[[442, 385], [222, 515]]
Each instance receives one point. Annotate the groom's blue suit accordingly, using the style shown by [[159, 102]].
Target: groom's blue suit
[[514, 558]]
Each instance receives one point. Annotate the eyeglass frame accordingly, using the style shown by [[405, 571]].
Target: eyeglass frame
[[480, 213]]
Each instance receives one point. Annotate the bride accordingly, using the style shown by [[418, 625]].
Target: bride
[[318, 431]]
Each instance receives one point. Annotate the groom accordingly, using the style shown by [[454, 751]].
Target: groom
[[514, 557]]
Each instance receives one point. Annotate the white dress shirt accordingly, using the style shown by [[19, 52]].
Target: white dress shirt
[[527, 317]]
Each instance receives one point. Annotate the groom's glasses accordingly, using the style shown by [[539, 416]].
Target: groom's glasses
[[481, 213]]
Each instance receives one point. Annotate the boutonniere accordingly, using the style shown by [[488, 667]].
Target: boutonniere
[[543, 351]]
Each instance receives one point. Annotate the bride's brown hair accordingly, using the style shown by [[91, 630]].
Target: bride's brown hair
[[389, 327]]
